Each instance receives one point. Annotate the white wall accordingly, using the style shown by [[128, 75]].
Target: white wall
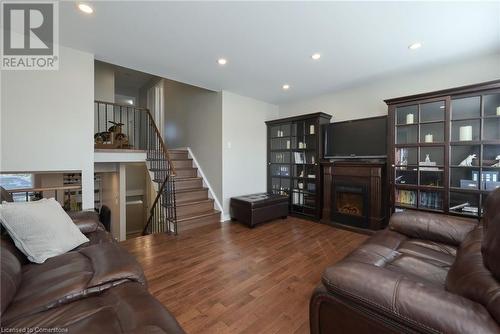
[[367, 100], [47, 119], [104, 82], [244, 141], [193, 118]]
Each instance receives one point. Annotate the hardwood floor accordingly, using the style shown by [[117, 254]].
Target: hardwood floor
[[232, 279]]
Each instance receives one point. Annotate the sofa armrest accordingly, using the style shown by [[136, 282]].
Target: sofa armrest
[[431, 226], [86, 221], [404, 302]]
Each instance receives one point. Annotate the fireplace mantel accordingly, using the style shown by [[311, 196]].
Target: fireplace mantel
[[368, 176]]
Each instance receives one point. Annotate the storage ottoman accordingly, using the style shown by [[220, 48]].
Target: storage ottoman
[[257, 208]]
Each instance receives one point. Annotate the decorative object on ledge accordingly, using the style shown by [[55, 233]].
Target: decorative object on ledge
[[498, 162], [466, 133], [468, 161]]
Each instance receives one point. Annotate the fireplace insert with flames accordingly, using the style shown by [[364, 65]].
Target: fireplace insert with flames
[[350, 205]]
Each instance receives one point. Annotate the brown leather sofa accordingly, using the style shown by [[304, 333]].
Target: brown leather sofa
[[426, 273], [97, 288]]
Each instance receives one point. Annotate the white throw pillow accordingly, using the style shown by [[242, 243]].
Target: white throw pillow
[[40, 229]]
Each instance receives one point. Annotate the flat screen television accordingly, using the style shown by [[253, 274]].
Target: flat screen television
[[357, 139]]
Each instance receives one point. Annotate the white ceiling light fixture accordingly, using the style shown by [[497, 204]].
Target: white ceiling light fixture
[[222, 61], [315, 56], [85, 8], [415, 46], [286, 87]]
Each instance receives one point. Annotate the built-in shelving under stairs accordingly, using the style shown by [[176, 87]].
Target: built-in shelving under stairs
[[194, 207]]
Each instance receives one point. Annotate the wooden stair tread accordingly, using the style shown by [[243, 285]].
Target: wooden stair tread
[[198, 201], [177, 178], [186, 168], [198, 215], [188, 178], [187, 190]]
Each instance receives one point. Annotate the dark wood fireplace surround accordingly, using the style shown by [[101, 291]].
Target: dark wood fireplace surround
[[354, 194]]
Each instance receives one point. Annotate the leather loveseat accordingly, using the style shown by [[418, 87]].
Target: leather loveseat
[[425, 273], [97, 288]]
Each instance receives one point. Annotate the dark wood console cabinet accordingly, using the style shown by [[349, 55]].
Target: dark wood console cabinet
[[354, 194]]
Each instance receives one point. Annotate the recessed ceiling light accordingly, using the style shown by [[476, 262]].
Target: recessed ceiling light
[[414, 46], [130, 101], [222, 61], [85, 8], [315, 56], [286, 87]]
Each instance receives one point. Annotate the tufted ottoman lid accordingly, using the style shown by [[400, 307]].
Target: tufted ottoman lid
[[261, 199]]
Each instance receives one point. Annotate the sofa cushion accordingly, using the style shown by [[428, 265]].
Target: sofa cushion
[[491, 240], [40, 229], [10, 274], [89, 224], [72, 276], [422, 260], [127, 308], [470, 278], [86, 221], [418, 305], [433, 227]]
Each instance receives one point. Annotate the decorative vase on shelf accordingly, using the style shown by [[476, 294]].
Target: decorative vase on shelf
[[465, 133], [409, 119], [311, 129], [498, 111], [429, 138]]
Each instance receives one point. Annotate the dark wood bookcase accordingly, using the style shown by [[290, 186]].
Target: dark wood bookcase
[[294, 150], [429, 137]]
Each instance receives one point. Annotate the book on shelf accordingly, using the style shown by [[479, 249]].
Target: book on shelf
[[299, 157], [431, 200], [486, 176], [406, 197], [298, 198]]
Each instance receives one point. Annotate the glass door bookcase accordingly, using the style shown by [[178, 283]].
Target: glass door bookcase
[[294, 150], [444, 149]]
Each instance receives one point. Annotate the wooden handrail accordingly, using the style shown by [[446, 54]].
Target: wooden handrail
[[164, 146], [30, 190], [162, 143]]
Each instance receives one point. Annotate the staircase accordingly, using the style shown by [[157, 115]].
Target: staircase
[[181, 202], [194, 207]]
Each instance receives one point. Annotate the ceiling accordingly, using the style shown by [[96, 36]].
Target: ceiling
[[268, 44]]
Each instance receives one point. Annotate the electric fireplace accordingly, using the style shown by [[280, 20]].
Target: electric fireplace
[[350, 205], [354, 194]]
